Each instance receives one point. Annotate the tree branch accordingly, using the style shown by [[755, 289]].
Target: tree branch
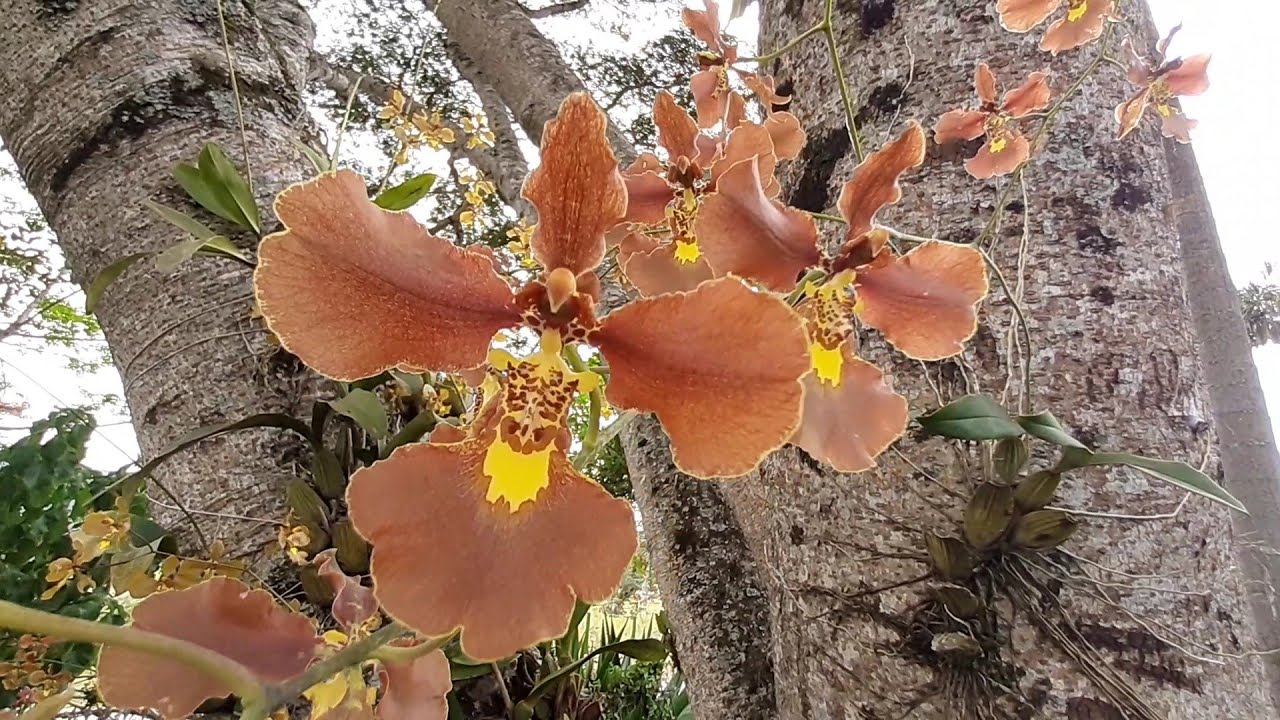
[[554, 10]]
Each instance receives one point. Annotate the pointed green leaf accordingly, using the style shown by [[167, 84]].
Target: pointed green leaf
[[645, 650], [366, 409], [181, 220], [215, 163], [209, 193], [175, 255], [404, 195], [1177, 473], [93, 292], [972, 417], [1046, 427], [318, 161]]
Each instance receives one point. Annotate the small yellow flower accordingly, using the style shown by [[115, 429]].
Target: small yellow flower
[[467, 217], [394, 109], [477, 128], [294, 541]]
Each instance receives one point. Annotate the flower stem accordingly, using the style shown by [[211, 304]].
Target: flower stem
[[595, 406], [846, 98], [792, 45], [242, 682]]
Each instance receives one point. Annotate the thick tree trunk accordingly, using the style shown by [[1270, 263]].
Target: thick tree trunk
[[1114, 356], [99, 100], [1246, 443]]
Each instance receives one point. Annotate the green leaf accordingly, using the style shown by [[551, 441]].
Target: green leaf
[[1177, 473], [644, 650], [404, 195], [132, 482], [209, 193], [175, 255], [972, 417], [93, 292], [366, 409], [215, 163], [181, 220], [318, 161], [1046, 427]]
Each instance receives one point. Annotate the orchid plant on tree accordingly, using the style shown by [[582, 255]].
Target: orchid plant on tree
[[743, 337]]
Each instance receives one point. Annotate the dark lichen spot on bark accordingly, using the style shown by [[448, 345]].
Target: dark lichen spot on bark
[[55, 9], [1015, 207], [793, 9], [1093, 240], [797, 535], [1129, 196], [882, 103], [785, 89], [1086, 708], [1103, 295], [1142, 654], [875, 15], [824, 150]]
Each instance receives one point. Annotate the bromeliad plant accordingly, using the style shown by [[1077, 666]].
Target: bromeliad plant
[[486, 539]]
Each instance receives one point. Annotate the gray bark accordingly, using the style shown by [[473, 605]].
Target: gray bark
[[1114, 356], [98, 101], [1246, 444]]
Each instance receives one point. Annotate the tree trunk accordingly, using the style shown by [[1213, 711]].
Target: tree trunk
[[1096, 261], [99, 100], [1246, 444]]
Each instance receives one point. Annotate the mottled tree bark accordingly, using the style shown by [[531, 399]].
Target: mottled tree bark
[[1095, 259], [98, 101], [1246, 444]]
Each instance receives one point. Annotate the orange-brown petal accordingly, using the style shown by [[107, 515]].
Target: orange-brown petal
[[424, 511], [222, 615], [444, 433], [1028, 97], [1022, 15], [735, 111], [1068, 34], [704, 24], [720, 366], [741, 231], [985, 85], [416, 689], [1190, 77], [708, 97], [956, 125], [875, 182], [990, 163], [677, 130], [577, 188], [924, 302], [749, 140], [656, 271], [1129, 113], [765, 88], [1177, 126], [353, 603], [353, 289], [648, 194], [787, 135], [847, 425]]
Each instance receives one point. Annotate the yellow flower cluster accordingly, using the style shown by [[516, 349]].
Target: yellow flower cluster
[[478, 191], [521, 233], [414, 128]]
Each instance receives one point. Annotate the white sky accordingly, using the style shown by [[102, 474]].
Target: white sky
[[1239, 159]]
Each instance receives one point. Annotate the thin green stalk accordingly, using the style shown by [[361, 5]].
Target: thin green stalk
[[846, 98], [825, 216], [235, 93], [292, 689], [400, 654], [421, 424], [815, 275], [242, 682], [595, 406], [346, 118], [1022, 320], [792, 45]]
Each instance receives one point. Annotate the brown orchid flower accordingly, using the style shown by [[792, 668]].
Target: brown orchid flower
[[1006, 147], [354, 290], [1082, 23], [924, 302], [1159, 84], [661, 253]]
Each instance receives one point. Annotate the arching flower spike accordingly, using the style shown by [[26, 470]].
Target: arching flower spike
[[923, 302], [504, 495], [1081, 24], [1160, 83], [1006, 147]]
